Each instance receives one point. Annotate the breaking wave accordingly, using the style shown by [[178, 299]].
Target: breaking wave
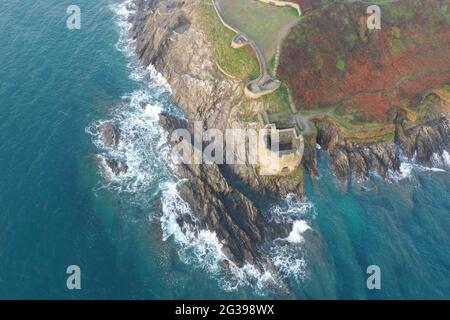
[[408, 167], [441, 161], [287, 253], [290, 209], [298, 228]]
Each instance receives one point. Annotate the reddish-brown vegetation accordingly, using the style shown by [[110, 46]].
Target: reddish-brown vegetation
[[331, 58], [307, 5]]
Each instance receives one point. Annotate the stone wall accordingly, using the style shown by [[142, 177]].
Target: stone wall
[[284, 4]]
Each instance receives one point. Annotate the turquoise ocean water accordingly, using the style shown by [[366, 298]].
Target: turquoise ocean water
[[56, 209]]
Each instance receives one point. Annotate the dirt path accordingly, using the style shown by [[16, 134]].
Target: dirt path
[[305, 119]]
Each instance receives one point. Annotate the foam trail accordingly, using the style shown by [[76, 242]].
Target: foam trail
[[287, 254], [290, 209], [410, 166], [290, 262]]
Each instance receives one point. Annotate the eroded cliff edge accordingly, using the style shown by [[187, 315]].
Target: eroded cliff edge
[[419, 140]]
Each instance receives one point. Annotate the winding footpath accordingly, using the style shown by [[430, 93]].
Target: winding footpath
[[264, 84], [259, 55]]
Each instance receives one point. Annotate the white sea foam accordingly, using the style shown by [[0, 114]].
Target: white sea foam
[[201, 248], [405, 171], [441, 161], [410, 166], [298, 228], [446, 158], [123, 11], [157, 80], [290, 261], [248, 275], [141, 138], [290, 209], [144, 148], [287, 254]]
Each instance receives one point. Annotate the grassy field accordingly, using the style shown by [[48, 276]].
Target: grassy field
[[267, 25], [363, 131], [240, 63]]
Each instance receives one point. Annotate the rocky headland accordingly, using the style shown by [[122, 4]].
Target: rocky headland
[[227, 199], [230, 199]]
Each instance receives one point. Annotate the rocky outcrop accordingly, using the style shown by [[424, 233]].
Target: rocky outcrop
[[117, 167], [169, 36], [418, 140], [110, 134], [224, 209], [430, 136], [349, 159]]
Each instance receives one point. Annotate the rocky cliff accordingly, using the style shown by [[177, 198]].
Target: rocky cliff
[[420, 139]]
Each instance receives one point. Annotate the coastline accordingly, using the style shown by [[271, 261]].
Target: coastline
[[90, 178], [239, 235], [167, 42]]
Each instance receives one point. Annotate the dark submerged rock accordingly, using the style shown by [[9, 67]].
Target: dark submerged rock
[[110, 134]]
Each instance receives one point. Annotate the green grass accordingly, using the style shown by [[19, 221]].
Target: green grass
[[271, 64], [350, 39], [266, 24], [278, 101], [293, 177], [292, 11], [357, 131], [240, 63], [340, 64]]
